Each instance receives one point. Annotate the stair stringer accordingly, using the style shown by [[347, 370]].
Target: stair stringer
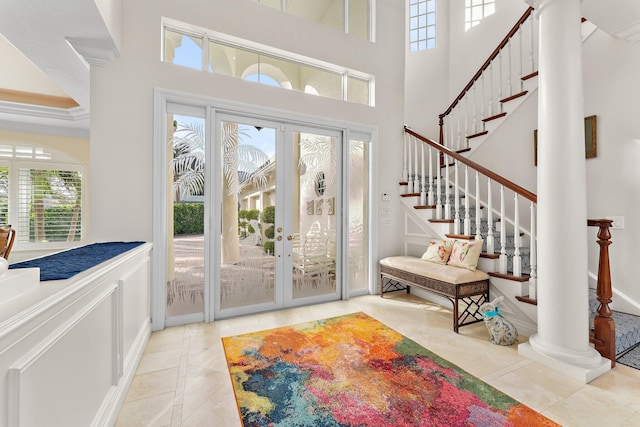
[[531, 86]]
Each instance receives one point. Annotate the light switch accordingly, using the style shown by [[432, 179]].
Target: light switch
[[618, 222]]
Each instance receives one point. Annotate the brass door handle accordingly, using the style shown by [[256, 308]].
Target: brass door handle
[[279, 238], [289, 237]]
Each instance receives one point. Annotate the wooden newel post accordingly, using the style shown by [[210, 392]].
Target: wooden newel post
[[604, 327], [442, 141]]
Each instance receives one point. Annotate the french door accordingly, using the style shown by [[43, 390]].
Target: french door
[[278, 195]]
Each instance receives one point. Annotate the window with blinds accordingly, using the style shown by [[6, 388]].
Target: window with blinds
[[49, 205], [4, 195]]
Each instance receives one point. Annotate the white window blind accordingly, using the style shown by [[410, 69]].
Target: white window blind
[[49, 205], [4, 195]]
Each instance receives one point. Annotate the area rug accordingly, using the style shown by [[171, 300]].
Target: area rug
[[353, 370], [631, 358]]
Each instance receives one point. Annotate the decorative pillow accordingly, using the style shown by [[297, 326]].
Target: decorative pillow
[[438, 251], [465, 254]]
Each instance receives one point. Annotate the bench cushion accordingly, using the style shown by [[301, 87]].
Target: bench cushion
[[443, 273]]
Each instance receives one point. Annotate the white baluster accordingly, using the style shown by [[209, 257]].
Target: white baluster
[[482, 100], [517, 259], [447, 196], [503, 233], [405, 177], [466, 121], [478, 216], [423, 188], [456, 213], [431, 202], [491, 89], [458, 111], [475, 102], [467, 196], [521, 59], [531, 37], [509, 67], [439, 188], [533, 256], [416, 180], [500, 82], [490, 237], [409, 177]]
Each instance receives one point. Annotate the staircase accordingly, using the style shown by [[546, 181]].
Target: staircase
[[448, 195]]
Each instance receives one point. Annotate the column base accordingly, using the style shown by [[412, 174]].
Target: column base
[[578, 373]]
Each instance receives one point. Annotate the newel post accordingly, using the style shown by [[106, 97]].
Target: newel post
[[441, 140], [604, 327]]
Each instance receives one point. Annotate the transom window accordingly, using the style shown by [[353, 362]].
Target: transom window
[[476, 10], [42, 200], [422, 25], [230, 56]]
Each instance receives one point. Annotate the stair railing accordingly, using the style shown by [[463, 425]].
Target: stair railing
[[431, 186], [459, 214], [604, 327], [491, 86]]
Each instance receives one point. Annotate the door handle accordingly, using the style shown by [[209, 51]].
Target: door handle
[[279, 238], [289, 237], [279, 229]]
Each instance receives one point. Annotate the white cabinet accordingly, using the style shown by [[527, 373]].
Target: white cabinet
[[69, 348]]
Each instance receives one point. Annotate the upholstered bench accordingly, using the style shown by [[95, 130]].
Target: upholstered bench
[[459, 285]]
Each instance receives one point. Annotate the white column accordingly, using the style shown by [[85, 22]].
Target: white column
[[562, 341]]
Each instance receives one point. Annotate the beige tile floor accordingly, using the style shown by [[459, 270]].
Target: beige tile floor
[[183, 380]]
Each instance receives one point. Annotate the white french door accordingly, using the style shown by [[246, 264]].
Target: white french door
[[278, 198], [255, 212]]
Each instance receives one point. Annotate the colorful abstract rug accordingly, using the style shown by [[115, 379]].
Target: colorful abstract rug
[[354, 371]]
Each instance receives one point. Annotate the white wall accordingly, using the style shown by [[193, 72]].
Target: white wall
[[122, 98], [611, 68]]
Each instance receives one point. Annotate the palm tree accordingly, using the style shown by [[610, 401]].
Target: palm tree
[[244, 164]]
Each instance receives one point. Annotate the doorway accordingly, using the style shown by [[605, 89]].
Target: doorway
[[259, 212], [278, 230]]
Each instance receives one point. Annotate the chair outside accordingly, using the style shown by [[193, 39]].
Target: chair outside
[[7, 236]]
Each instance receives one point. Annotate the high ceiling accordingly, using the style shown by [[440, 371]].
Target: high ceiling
[[47, 47]]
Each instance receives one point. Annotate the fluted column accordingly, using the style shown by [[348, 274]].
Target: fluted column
[[562, 340]]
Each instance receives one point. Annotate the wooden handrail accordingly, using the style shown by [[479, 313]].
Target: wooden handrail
[[604, 327], [473, 165], [486, 64]]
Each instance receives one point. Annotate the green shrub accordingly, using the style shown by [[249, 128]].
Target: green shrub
[[269, 232], [188, 218], [253, 214], [268, 247], [269, 214]]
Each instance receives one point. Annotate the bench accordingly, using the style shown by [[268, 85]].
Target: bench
[[458, 285]]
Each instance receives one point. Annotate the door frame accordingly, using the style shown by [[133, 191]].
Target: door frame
[[213, 107]]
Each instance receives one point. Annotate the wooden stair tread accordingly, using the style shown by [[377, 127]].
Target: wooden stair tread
[[424, 207], [523, 278], [460, 236], [410, 195], [450, 164], [489, 256], [527, 300], [475, 135], [494, 117], [442, 221], [529, 76], [464, 150], [404, 183], [512, 97]]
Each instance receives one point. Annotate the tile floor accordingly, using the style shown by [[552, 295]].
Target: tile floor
[[183, 380]]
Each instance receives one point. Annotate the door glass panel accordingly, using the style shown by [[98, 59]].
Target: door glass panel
[[248, 215], [185, 245], [314, 215], [358, 215]]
